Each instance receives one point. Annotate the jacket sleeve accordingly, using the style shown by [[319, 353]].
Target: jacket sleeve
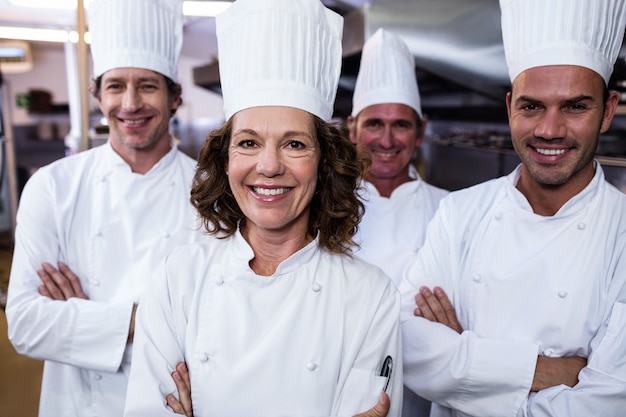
[[361, 387], [601, 384], [82, 333], [157, 349], [477, 376]]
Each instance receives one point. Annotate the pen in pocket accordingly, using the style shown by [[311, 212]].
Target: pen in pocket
[[385, 370]]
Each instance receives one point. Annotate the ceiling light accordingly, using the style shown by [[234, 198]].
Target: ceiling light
[[34, 34], [48, 4], [190, 8]]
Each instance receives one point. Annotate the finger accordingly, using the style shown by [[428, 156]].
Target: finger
[[181, 367], [380, 409], [59, 280], [173, 403], [74, 281], [434, 305], [446, 304], [422, 304], [42, 290], [53, 291], [184, 393]]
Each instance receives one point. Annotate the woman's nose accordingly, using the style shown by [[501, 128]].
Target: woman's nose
[[270, 163]]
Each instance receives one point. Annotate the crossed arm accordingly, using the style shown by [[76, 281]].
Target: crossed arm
[[434, 305], [61, 284], [184, 406]]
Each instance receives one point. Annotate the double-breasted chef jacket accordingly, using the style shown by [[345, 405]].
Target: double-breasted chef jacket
[[308, 340], [522, 285], [390, 234], [392, 229], [110, 226]]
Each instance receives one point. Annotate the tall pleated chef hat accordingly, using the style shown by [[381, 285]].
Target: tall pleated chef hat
[[144, 34], [386, 74], [279, 53], [587, 33]]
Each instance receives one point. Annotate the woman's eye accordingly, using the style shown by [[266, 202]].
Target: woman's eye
[[295, 144], [246, 143]]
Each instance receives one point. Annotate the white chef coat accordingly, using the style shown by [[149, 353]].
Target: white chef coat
[[390, 234], [307, 341], [110, 226], [522, 285], [393, 229]]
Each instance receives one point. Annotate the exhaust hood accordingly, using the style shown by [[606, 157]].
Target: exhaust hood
[[457, 45]]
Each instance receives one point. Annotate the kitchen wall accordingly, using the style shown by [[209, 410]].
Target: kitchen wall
[[49, 73]]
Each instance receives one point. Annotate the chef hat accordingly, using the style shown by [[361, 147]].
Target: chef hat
[[279, 53], [144, 34], [386, 74], [562, 32]]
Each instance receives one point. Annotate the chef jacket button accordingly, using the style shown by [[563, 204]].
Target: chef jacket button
[[316, 287], [220, 281], [498, 216], [476, 277], [548, 352], [172, 184], [103, 179], [98, 377], [95, 283], [562, 294], [98, 233], [203, 358], [166, 235], [311, 366], [582, 226]]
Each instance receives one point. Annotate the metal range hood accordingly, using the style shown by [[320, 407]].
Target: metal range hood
[[453, 41], [457, 45]]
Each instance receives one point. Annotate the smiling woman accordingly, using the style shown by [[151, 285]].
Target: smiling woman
[[271, 309]]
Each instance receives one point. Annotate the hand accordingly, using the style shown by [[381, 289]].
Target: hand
[[436, 306], [59, 284], [380, 409], [551, 372], [183, 404]]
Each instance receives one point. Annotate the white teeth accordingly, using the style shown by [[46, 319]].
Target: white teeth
[[270, 191], [550, 151], [384, 154], [134, 122]]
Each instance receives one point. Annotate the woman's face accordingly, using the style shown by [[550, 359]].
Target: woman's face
[[272, 167]]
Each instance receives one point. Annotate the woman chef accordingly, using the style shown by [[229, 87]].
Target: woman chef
[[273, 317]]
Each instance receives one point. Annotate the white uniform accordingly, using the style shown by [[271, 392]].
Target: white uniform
[[110, 226], [390, 234], [393, 229], [307, 341], [522, 285]]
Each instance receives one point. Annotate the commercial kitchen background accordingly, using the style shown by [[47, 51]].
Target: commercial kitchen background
[[460, 69]]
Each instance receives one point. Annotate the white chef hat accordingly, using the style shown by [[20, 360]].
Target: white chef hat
[[562, 32], [386, 74], [279, 53], [144, 34]]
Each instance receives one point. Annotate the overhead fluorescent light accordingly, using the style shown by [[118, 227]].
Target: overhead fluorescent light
[[34, 34], [48, 4], [190, 8]]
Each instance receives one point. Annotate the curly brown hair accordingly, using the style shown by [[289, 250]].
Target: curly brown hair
[[335, 210]]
